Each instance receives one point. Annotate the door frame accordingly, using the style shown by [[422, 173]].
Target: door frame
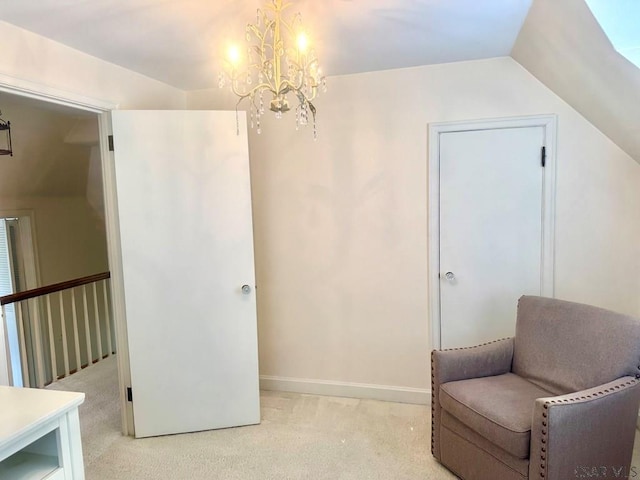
[[30, 272], [102, 108], [547, 261]]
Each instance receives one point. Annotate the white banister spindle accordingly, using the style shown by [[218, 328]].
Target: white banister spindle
[[76, 336], [23, 345], [37, 343], [96, 317], [52, 344], [40, 328], [87, 330], [107, 316], [65, 346]]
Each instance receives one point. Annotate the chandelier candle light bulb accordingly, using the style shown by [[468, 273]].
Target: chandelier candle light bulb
[[233, 54], [279, 61], [303, 42]]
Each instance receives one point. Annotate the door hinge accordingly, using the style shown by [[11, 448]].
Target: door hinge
[[111, 143], [129, 394], [543, 156]]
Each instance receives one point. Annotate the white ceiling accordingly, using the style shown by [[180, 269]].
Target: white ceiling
[[181, 42]]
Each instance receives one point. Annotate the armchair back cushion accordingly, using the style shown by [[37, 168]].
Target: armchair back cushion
[[567, 347]]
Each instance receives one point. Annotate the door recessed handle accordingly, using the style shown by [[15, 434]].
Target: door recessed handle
[[246, 289]]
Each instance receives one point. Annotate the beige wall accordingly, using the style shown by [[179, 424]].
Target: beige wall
[[341, 223], [69, 235], [43, 164]]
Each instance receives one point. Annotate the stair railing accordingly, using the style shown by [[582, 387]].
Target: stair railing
[[60, 328]]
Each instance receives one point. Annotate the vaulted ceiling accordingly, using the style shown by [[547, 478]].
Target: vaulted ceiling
[[562, 44], [182, 42]]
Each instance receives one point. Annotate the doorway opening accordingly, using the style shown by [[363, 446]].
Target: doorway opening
[[60, 320]]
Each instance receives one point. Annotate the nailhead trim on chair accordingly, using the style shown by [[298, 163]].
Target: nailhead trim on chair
[[433, 405], [475, 346], [543, 449], [433, 390]]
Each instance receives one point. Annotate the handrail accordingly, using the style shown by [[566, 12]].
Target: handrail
[[56, 287]]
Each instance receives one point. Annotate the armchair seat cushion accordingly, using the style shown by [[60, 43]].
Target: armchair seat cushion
[[500, 408]]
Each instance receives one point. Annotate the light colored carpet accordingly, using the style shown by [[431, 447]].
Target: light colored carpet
[[300, 437], [100, 412]]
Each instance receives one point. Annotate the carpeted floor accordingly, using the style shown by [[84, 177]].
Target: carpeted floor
[[100, 412], [300, 437]]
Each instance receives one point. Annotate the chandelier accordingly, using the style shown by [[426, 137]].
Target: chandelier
[[278, 61]]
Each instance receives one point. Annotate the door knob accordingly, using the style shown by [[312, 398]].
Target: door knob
[[450, 276], [246, 289]]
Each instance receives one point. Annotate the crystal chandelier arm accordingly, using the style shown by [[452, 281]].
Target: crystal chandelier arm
[[313, 94], [250, 93], [277, 46], [279, 62], [262, 64], [288, 86], [289, 26]]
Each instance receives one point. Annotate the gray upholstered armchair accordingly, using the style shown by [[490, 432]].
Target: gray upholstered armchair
[[558, 401]]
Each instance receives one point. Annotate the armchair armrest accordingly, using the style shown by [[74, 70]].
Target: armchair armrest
[[484, 360], [585, 434]]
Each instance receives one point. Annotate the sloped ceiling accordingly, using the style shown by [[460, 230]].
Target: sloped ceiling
[[183, 42], [562, 44], [43, 164]]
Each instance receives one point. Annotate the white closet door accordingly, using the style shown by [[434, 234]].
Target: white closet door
[[491, 198]]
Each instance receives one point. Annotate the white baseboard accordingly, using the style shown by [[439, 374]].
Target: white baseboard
[[343, 389]]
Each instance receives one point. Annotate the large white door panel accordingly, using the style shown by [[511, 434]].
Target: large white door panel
[[184, 205], [491, 207]]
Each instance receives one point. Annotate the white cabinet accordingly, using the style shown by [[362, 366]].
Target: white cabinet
[[40, 435]]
